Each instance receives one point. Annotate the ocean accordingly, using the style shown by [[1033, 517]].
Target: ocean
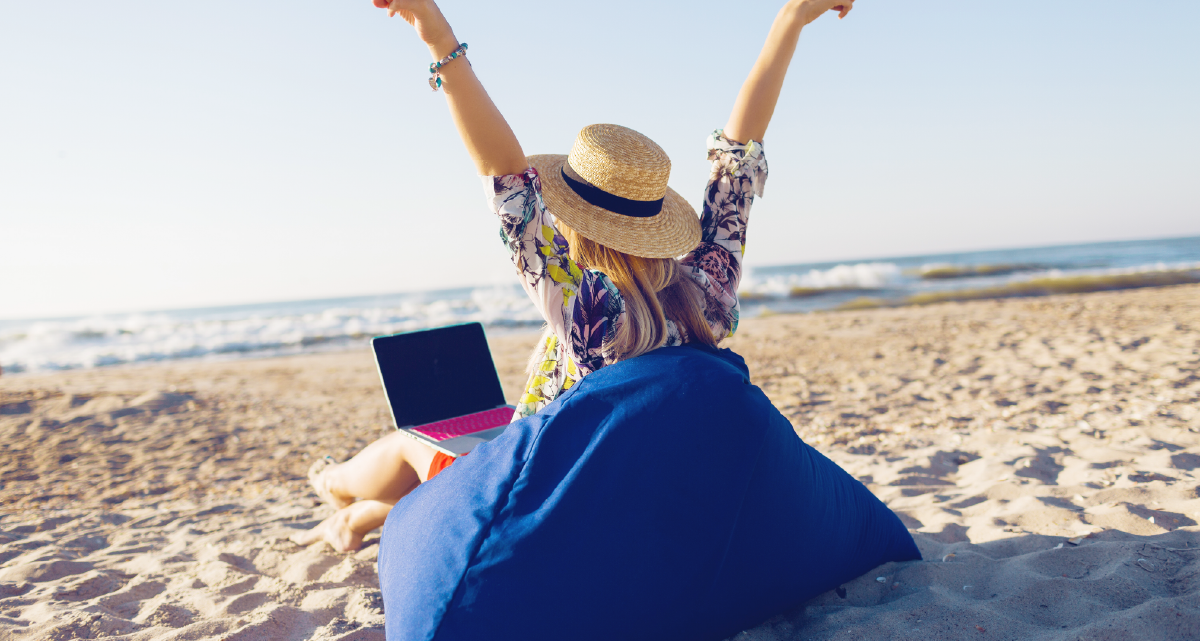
[[45, 345]]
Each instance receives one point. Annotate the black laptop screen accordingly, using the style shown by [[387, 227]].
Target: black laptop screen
[[436, 374]]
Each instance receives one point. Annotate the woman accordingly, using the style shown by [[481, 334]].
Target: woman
[[594, 236]]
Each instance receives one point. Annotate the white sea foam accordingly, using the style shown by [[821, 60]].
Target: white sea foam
[[1150, 268], [847, 276], [111, 340]]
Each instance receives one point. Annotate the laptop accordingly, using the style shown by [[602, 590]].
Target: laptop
[[442, 386]]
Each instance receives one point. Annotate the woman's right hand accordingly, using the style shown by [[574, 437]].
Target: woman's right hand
[[755, 103]]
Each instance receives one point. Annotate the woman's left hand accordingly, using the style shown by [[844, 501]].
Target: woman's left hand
[[427, 19], [813, 9]]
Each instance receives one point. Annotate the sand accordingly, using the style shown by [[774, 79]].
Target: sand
[[1044, 452]]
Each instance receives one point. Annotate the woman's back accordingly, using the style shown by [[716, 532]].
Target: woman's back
[[585, 309]]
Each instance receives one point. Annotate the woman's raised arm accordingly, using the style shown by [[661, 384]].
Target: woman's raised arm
[[756, 102], [488, 138]]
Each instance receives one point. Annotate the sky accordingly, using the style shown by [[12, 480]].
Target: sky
[[160, 155]]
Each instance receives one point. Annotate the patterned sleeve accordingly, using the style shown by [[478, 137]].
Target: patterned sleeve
[[581, 307], [739, 172]]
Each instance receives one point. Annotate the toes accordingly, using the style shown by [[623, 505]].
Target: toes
[[319, 481], [344, 541], [335, 531], [307, 538]]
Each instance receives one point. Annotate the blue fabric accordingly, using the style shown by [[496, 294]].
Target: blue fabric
[[663, 497]]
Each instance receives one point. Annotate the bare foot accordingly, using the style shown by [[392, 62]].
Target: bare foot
[[335, 531], [318, 478]]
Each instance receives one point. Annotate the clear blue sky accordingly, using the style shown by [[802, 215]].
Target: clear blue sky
[[170, 154]]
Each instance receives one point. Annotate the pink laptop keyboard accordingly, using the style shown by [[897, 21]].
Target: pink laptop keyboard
[[466, 425]]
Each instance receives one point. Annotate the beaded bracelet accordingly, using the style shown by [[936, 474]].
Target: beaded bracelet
[[435, 68]]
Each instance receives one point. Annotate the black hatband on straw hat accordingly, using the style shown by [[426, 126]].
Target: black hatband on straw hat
[[616, 204]]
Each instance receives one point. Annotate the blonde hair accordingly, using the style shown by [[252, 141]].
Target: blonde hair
[[654, 290]]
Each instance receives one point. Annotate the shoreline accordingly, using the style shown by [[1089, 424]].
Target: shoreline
[[1044, 452], [264, 329], [1038, 288]]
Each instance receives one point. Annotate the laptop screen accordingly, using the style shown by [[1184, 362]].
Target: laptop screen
[[436, 374]]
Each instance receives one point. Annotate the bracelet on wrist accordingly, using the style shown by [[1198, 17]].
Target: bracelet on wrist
[[435, 68]]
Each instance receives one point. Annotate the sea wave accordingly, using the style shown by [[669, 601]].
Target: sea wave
[[1048, 283], [113, 340], [843, 277], [947, 271]]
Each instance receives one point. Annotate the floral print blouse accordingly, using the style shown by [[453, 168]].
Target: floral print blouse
[[583, 307]]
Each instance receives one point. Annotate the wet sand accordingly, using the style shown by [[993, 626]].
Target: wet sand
[[1043, 451]]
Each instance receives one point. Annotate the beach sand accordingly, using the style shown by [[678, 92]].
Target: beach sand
[[1044, 452]]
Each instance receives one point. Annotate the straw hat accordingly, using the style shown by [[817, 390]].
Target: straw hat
[[612, 189]]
